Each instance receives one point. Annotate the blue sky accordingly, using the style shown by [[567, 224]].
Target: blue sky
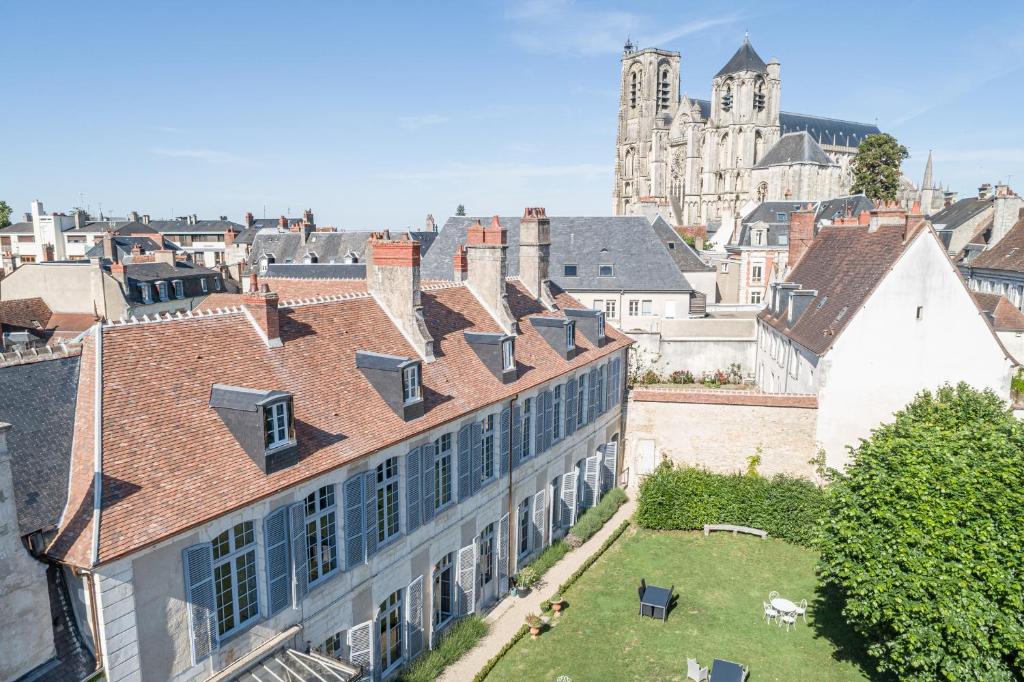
[[375, 114]]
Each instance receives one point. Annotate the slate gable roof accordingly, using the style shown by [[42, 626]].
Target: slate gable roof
[[168, 473], [768, 212], [1007, 254], [745, 59], [150, 272], [824, 130], [17, 228], [844, 264], [640, 259], [792, 148], [287, 247], [123, 246], [960, 212], [39, 402], [682, 253]]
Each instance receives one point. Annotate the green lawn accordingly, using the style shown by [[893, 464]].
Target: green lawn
[[720, 581]]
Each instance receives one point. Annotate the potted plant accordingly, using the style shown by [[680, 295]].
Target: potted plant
[[556, 603], [534, 621], [526, 579]]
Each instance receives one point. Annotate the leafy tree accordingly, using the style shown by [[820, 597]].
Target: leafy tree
[[5, 214], [460, 210], [876, 167], [924, 539]]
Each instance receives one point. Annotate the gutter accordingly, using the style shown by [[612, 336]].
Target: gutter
[[97, 412]]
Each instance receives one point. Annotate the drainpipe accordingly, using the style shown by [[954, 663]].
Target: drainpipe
[[511, 502], [94, 616]]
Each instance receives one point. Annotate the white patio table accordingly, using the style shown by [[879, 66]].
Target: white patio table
[[783, 605]]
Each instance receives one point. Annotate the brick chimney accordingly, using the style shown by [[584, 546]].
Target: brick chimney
[[460, 264], [163, 256], [393, 279], [109, 252], [486, 253], [282, 223], [1007, 212], [117, 272], [261, 309], [985, 191], [307, 217], [801, 233], [535, 255], [249, 219], [886, 213]]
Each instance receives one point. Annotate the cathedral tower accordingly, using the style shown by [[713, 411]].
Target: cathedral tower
[[648, 97]]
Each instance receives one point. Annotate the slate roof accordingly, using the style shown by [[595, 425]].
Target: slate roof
[[960, 212], [778, 230], [798, 147], [844, 264], [317, 270], [687, 260], [150, 272], [287, 247], [26, 313], [38, 400], [640, 260], [198, 227], [832, 131], [163, 475], [1001, 314], [1007, 254], [17, 228], [123, 246], [745, 59]]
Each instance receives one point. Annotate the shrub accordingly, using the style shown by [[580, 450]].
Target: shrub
[[686, 498], [527, 577], [462, 637], [923, 539], [650, 377], [594, 518], [682, 376]]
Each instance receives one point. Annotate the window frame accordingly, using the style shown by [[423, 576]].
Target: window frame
[[437, 584], [601, 270], [487, 440], [556, 413], [575, 270], [390, 621], [179, 288], [526, 432], [646, 307], [523, 526], [320, 511], [274, 414], [443, 472], [204, 284], [756, 273], [508, 355], [161, 289], [386, 481], [230, 559], [216, 283], [411, 384], [634, 307], [610, 306], [146, 289], [581, 397], [570, 335]]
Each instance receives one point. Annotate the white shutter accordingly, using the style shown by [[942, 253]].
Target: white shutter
[[202, 602], [610, 470], [555, 490], [465, 569], [502, 555], [360, 645], [300, 558], [592, 480], [414, 617], [538, 521], [567, 514]]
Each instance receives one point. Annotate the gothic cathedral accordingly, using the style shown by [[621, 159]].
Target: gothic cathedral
[[693, 161]]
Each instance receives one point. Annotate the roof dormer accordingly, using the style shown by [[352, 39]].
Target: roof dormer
[[590, 322], [397, 380], [497, 352], [263, 423], [559, 332]]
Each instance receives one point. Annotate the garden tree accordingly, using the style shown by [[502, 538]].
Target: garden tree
[[876, 167], [5, 214], [924, 539], [460, 210]]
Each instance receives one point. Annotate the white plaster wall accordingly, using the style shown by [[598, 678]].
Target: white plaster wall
[[115, 602], [66, 288], [696, 354], [1013, 342], [885, 356], [623, 320]]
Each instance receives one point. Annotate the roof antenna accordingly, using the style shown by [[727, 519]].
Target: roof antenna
[[746, 36]]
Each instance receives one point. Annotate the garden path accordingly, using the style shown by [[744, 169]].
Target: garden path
[[509, 615]]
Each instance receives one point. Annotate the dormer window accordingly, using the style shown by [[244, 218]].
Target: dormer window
[[216, 283], [179, 288], [146, 292], [275, 424], [161, 288], [600, 326], [204, 284], [570, 336], [411, 384], [508, 355], [590, 322], [559, 332]]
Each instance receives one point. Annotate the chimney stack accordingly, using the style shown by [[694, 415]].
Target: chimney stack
[[261, 307], [486, 252], [307, 217], [886, 213], [393, 279], [801, 233], [535, 255], [117, 272], [133, 216], [163, 256], [460, 264], [430, 226], [249, 219], [282, 223], [985, 191], [136, 249], [109, 252], [229, 236], [1007, 212], [145, 219]]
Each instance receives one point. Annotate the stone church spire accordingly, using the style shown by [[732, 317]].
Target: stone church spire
[[927, 182]]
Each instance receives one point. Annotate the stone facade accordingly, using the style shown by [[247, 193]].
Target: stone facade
[[695, 161]]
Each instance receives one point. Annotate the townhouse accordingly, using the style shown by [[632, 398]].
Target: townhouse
[[352, 473]]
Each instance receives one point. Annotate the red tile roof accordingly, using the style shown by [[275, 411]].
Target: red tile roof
[[1007, 254], [844, 265], [170, 464], [1001, 314], [27, 313], [723, 397]]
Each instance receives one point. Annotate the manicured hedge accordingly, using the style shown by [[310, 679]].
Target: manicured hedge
[[578, 573], [685, 498], [594, 518], [456, 642], [489, 666]]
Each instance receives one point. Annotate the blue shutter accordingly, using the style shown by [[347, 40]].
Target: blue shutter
[[355, 552], [465, 468], [370, 519], [617, 388], [202, 602], [602, 391], [413, 481], [300, 568], [570, 407], [275, 539], [609, 382], [538, 424], [517, 435], [592, 395], [476, 456], [549, 413], [503, 444], [429, 472]]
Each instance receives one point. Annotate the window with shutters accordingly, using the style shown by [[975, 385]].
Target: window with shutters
[[234, 578], [389, 633], [524, 527], [487, 448], [321, 534], [276, 422], [556, 420], [525, 433], [387, 499], [581, 406], [443, 592], [443, 471]]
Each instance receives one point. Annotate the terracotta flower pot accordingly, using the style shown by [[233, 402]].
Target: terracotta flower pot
[[534, 631], [557, 606]]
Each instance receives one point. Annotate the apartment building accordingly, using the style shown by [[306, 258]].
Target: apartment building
[[351, 475]]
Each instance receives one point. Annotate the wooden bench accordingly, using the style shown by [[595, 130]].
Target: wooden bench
[[763, 534]]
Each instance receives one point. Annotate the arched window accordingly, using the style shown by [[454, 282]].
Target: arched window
[[758, 146], [389, 632], [759, 96], [727, 96], [634, 86], [762, 191], [629, 163], [664, 90], [723, 151]]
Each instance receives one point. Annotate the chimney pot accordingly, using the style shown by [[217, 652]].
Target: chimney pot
[[249, 219]]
